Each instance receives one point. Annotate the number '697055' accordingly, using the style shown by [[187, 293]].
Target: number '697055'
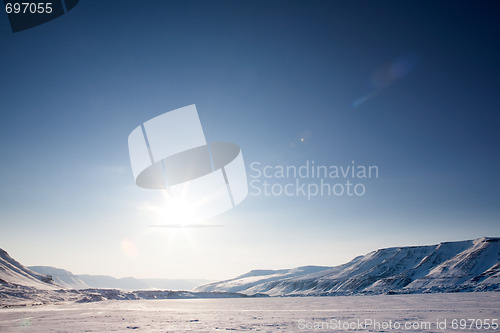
[[28, 8]]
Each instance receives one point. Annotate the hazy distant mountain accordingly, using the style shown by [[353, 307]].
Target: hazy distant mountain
[[69, 280], [174, 284], [104, 281], [62, 277], [472, 265], [255, 277], [13, 274]]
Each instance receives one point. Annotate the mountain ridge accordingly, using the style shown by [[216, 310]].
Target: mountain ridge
[[21, 286], [13, 273], [69, 280], [470, 265]]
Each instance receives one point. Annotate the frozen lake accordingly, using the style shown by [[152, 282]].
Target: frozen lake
[[461, 312]]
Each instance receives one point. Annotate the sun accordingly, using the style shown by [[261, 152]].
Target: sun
[[170, 212], [178, 211]]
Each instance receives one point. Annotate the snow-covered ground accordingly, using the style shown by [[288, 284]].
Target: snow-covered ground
[[386, 313]]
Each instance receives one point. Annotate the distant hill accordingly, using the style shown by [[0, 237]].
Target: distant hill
[[256, 277], [62, 277], [472, 265], [69, 280], [104, 281], [174, 284]]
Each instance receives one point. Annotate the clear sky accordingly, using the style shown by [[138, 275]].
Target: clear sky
[[411, 87]]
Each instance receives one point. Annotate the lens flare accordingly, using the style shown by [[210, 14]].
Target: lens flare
[[129, 248], [387, 75]]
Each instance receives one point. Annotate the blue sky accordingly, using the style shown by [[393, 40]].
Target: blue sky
[[410, 87]]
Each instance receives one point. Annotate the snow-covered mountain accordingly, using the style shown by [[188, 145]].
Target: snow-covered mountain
[[174, 284], [23, 286], [62, 277], [69, 280], [472, 265], [13, 274], [105, 281], [256, 277]]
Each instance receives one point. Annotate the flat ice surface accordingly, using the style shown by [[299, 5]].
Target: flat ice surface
[[287, 314]]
